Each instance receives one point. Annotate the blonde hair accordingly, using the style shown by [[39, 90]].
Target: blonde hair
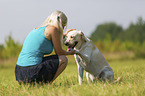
[[57, 19]]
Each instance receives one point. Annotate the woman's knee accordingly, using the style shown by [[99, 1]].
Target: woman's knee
[[63, 60]]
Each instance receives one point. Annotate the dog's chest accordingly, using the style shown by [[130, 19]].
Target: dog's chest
[[81, 62]]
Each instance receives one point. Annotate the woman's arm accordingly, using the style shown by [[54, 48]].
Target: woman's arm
[[55, 37]]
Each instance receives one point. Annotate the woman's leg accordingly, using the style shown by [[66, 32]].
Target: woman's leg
[[62, 65]]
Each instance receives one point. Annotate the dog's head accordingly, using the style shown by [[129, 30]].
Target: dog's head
[[73, 39]]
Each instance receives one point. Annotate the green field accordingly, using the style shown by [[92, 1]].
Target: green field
[[131, 71]]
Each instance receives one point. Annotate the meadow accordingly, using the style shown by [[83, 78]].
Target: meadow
[[131, 71], [124, 50]]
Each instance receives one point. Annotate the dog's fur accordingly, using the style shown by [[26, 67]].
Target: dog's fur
[[88, 58]]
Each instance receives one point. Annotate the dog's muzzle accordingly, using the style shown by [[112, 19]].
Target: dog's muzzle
[[70, 47]]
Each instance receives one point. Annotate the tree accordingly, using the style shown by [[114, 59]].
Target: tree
[[136, 32], [103, 30]]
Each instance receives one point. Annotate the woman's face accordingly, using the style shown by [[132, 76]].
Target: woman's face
[[64, 21]]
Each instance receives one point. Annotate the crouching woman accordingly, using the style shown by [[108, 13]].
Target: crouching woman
[[31, 65]]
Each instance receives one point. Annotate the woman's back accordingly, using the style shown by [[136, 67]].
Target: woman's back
[[35, 46]]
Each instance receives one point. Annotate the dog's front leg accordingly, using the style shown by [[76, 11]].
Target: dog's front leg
[[80, 70]]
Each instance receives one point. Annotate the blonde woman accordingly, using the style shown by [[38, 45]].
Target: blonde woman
[[31, 65]]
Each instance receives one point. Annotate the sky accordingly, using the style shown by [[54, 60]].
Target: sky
[[19, 17]]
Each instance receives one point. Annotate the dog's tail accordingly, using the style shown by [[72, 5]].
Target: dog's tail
[[118, 79]]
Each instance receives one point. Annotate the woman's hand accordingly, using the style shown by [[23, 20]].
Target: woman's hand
[[72, 52]]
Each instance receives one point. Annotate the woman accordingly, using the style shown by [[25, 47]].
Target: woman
[[32, 66]]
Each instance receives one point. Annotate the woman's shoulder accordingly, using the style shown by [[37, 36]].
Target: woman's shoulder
[[51, 28], [49, 31]]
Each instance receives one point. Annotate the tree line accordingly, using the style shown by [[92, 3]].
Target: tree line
[[108, 37], [112, 37], [134, 33]]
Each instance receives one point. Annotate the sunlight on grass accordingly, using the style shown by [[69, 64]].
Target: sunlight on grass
[[131, 84]]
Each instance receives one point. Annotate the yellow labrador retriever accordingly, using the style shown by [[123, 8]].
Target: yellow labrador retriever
[[88, 58]]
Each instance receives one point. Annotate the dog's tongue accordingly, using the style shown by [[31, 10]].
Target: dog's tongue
[[69, 49]]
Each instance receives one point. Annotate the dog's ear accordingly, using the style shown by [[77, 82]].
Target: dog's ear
[[82, 36], [65, 34]]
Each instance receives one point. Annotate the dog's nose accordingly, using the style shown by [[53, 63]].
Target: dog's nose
[[66, 43]]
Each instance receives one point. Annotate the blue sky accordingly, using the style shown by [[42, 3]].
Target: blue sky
[[19, 17]]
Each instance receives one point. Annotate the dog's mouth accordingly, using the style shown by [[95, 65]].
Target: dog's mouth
[[70, 47]]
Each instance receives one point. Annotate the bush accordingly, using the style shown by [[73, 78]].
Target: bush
[[140, 51], [10, 49]]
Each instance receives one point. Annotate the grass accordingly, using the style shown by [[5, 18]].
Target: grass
[[132, 83]]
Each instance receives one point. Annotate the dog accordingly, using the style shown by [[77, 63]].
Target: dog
[[88, 57]]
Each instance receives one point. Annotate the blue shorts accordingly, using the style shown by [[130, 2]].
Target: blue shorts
[[43, 72]]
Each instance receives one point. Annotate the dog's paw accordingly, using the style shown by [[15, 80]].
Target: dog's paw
[[77, 52]]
